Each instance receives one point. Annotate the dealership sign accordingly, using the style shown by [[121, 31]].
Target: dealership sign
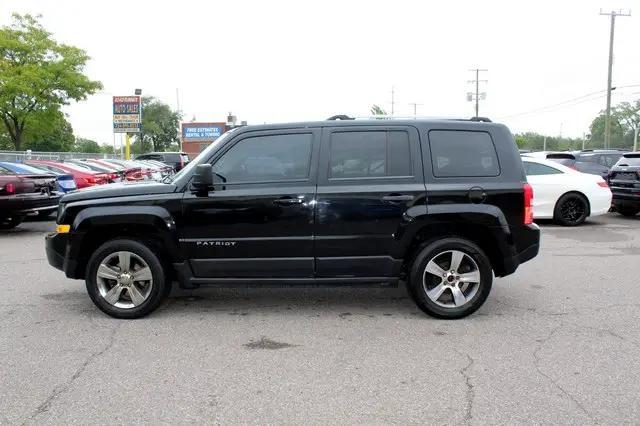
[[126, 114], [201, 132]]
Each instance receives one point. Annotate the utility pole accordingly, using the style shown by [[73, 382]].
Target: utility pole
[[415, 105], [607, 119], [477, 82], [635, 138], [393, 100]]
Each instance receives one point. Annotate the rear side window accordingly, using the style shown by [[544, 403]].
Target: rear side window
[[459, 153], [370, 154], [535, 169]]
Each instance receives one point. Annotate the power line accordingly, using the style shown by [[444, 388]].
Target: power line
[[582, 99], [607, 121]]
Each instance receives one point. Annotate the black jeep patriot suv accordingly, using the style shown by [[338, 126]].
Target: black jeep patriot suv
[[441, 204]]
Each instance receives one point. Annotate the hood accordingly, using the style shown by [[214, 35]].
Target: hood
[[122, 189]]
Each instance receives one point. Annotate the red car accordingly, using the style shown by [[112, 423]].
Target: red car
[[130, 173], [82, 176]]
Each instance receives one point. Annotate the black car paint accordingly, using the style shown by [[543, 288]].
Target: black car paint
[[624, 181], [356, 231]]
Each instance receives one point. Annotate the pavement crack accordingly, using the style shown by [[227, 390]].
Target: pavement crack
[[64, 388], [470, 392], [537, 361]]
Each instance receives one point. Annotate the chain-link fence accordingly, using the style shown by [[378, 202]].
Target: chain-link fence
[[17, 156]]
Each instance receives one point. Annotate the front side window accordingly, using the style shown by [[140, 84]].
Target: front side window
[[456, 153], [267, 159], [535, 169], [369, 154]]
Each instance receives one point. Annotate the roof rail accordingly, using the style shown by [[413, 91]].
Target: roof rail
[[408, 117]]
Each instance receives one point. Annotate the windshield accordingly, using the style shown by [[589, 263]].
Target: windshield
[[186, 171]]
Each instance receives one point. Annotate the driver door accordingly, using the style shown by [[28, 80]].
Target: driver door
[[259, 222]]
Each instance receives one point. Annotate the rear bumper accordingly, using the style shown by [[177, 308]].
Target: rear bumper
[[600, 203], [527, 246], [626, 197], [22, 205]]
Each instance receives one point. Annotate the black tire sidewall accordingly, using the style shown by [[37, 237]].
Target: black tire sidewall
[[10, 222], [158, 291], [416, 289], [628, 211], [557, 216]]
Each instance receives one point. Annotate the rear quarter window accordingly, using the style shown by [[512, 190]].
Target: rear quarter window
[[462, 153]]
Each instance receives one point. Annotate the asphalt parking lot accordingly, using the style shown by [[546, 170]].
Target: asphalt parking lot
[[558, 342]]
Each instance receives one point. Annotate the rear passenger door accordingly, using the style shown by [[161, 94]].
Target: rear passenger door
[[368, 177]]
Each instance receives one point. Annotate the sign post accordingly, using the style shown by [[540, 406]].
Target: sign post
[[127, 118]]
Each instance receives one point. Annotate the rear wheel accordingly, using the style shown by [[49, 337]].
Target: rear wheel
[[10, 222], [571, 210], [450, 278], [628, 211], [125, 279]]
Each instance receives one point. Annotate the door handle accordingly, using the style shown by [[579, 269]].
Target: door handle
[[397, 198], [288, 201]]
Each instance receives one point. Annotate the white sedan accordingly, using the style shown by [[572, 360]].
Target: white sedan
[[563, 194]]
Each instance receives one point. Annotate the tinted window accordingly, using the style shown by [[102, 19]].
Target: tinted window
[[369, 154], [535, 169], [462, 153], [267, 159], [608, 160]]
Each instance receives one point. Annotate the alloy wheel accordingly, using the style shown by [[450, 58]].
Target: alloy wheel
[[124, 279], [451, 279], [572, 210]]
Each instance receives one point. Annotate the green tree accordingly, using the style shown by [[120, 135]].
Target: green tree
[[377, 110], [48, 130], [37, 74], [597, 131], [86, 145], [159, 127]]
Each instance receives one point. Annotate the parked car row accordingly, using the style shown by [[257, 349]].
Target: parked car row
[[35, 186], [568, 188]]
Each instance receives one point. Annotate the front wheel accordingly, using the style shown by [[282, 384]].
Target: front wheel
[[450, 278], [125, 279], [571, 210]]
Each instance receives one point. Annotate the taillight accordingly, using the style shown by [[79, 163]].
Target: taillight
[[528, 204], [603, 184], [89, 180], [9, 189]]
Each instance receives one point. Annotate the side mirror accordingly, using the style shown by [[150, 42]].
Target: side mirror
[[202, 178]]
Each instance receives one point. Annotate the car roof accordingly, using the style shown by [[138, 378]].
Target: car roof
[[370, 122]]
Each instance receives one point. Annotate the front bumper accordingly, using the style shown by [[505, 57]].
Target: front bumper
[[57, 248]]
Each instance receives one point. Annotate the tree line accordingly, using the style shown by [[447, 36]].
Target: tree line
[[38, 76]]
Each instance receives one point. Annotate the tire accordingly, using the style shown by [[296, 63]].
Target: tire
[[131, 294], [628, 211], [424, 283], [571, 210], [10, 222]]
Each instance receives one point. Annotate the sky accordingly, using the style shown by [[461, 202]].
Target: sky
[[298, 60]]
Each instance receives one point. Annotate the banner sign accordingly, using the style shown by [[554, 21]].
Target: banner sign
[[126, 114], [202, 132]]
